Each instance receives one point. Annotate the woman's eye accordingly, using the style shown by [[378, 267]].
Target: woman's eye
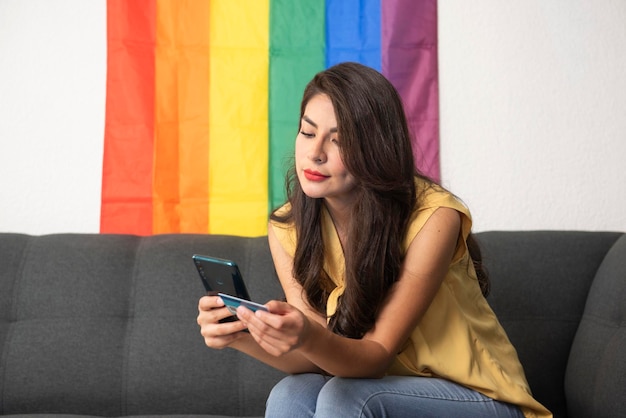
[[307, 134]]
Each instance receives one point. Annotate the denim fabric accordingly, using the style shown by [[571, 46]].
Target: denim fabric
[[313, 395]]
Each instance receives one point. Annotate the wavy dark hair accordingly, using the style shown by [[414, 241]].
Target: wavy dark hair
[[375, 147]]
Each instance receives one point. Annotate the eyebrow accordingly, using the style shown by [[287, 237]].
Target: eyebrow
[[310, 122]]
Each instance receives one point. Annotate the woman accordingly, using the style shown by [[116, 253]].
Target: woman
[[385, 313]]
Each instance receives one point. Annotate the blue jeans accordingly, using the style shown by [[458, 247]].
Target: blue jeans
[[314, 395]]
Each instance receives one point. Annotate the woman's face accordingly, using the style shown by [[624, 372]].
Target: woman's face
[[318, 162]]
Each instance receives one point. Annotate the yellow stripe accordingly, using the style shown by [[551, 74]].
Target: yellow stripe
[[238, 122]]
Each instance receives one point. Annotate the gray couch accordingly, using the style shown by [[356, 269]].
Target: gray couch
[[105, 325]]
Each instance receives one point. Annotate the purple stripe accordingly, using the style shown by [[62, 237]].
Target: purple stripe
[[409, 60]]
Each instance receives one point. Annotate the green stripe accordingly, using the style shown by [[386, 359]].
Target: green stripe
[[297, 53]]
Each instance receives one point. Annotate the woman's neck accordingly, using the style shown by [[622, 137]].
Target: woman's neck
[[340, 216]]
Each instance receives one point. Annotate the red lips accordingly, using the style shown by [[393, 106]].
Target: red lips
[[313, 175]]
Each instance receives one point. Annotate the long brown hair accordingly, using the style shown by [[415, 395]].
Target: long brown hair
[[375, 147]]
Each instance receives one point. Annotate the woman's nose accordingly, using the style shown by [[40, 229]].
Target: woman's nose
[[317, 152]]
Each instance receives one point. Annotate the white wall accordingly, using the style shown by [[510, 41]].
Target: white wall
[[52, 97], [533, 112]]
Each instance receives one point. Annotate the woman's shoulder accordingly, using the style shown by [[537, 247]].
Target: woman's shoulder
[[282, 211], [285, 232], [433, 195], [430, 197]]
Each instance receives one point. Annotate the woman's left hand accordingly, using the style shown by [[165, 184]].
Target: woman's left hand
[[280, 331]]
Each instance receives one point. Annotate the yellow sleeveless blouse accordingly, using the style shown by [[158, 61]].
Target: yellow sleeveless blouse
[[459, 337]]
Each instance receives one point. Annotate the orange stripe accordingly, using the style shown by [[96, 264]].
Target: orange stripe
[[127, 165], [181, 150]]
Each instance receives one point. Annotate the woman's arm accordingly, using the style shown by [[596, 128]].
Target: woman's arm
[[296, 328]]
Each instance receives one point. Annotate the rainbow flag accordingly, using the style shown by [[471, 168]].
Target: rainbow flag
[[203, 100]]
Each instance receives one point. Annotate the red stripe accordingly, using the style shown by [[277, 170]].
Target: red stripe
[[129, 124]]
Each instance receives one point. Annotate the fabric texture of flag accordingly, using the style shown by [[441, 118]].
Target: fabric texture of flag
[[203, 101]]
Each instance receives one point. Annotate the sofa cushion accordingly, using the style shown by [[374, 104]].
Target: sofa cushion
[[540, 281], [595, 382], [105, 325]]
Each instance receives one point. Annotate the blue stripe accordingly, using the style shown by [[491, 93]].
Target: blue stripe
[[353, 32]]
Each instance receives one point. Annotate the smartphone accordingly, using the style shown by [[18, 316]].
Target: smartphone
[[223, 276], [220, 275], [233, 302]]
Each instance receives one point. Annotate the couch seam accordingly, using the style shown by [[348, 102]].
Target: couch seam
[[125, 372], [12, 320], [595, 319]]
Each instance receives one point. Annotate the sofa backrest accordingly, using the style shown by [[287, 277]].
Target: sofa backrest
[[105, 325], [540, 282], [595, 382]]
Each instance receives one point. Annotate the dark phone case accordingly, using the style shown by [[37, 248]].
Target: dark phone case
[[221, 276]]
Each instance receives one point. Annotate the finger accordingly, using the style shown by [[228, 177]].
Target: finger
[[220, 342], [276, 341], [288, 320], [278, 307], [228, 328], [245, 315], [274, 346], [210, 302], [213, 315], [219, 335], [268, 323]]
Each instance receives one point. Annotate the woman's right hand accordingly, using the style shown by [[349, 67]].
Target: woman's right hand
[[211, 310]]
